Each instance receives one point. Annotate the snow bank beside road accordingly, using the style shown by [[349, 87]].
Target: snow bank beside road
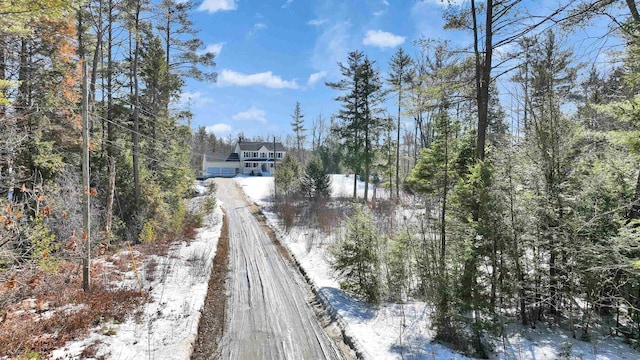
[[168, 326]]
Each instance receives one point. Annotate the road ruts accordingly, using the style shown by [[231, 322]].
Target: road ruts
[[268, 314]]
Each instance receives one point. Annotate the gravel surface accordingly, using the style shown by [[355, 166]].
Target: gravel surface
[[269, 313]]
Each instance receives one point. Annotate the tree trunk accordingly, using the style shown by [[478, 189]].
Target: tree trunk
[[110, 126], [96, 57], [367, 160], [516, 251], [444, 298], [398, 144], [389, 162], [482, 74], [111, 187], [3, 76], [136, 110], [634, 10]]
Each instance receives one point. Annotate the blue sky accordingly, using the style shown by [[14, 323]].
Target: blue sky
[[272, 53]]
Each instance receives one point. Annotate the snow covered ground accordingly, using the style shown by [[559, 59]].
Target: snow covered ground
[[168, 326], [379, 331]]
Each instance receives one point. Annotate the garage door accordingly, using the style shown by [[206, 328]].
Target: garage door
[[220, 171]]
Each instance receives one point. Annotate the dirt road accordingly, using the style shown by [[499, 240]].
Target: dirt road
[[268, 311]]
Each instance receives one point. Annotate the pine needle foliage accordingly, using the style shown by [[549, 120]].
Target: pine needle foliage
[[356, 257]]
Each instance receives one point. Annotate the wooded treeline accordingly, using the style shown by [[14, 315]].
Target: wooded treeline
[[138, 54], [526, 215]]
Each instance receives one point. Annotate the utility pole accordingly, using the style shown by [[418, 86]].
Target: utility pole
[[86, 265], [275, 186]]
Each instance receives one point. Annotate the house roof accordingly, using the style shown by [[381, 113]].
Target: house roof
[[222, 157], [233, 157], [256, 145]]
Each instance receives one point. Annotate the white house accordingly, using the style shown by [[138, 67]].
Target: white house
[[250, 158]]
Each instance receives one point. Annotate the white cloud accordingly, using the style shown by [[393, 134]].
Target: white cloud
[[256, 27], [287, 3], [253, 113], [214, 48], [213, 6], [313, 78], [218, 129], [194, 100], [317, 22], [332, 46], [385, 3], [382, 39], [266, 79]]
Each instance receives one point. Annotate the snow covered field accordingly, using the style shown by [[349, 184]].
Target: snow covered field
[[168, 327], [393, 331]]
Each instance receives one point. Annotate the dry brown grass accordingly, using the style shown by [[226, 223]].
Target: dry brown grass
[[42, 311], [328, 219]]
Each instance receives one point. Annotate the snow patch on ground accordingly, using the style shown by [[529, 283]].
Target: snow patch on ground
[[394, 331], [260, 189], [168, 326]]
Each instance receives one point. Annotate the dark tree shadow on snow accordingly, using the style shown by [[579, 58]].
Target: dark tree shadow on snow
[[346, 305]]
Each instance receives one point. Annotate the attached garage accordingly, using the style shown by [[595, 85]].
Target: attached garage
[[220, 166]]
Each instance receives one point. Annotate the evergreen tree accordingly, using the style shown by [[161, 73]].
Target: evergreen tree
[[316, 183], [287, 177], [185, 56], [552, 139], [360, 113], [399, 79], [297, 125], [356, 258], [351, 113]]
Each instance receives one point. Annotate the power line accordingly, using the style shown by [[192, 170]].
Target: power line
[[164, 163], [131, 130]]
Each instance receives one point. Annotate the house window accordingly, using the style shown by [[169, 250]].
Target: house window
[[255, 164], [262, 155], [245, 154], [270, 154], [247, 164], [279, 155], [271, 165]]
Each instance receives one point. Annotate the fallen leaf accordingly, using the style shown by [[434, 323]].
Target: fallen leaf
[[12, 283]]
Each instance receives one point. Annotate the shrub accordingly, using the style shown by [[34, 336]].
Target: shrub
[[316, 183], [177, 218], [356, 257], [209, 204], [147, 234], [287, 176], [44, 245]]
